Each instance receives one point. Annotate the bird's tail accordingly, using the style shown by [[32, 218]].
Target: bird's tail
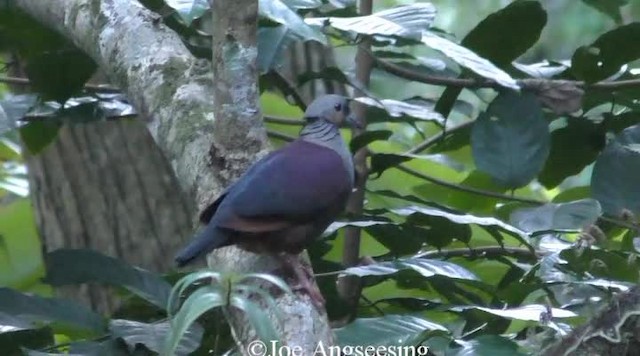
[[204, 242]]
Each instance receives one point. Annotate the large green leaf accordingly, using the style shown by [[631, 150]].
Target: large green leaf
[[189, 10], [62, 314], [406, 21], [606, 55], [573, 147], [531, 312], [574, 215], [500, 38], [614, 182], [469, 59], [426, 268], [461, 218], [67, 266], [58, 74], [388, 330], [277, 11], [506, 34], [386, 110], [153, 336], [486, 345], [510, 140]]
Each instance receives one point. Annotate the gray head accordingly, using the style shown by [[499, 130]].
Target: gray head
[[332, 108]]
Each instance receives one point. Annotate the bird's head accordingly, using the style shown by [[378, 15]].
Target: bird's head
[[332, 108]]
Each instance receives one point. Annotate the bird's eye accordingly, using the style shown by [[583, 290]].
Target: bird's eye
[[338, 107]]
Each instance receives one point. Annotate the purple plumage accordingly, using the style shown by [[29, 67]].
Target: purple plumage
[[287, 199]]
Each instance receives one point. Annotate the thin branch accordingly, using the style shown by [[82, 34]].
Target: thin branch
[[484, 251], [486, 193], [287, 88], [436, 138], [408, 74], [350, 288], [93, 87], [280, 136], [283, 120]]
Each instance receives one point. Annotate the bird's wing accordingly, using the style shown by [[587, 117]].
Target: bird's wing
[[297, 184]]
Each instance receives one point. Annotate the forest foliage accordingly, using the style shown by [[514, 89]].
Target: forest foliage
[[501, 200]]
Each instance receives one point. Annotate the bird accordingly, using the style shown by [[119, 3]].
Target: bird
[[286, 200]]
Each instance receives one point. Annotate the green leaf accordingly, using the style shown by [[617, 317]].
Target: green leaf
[[36, 135], [614, 183], [461, 218], [13, 108], [258, 318], [272, 42], [610, 8], [589, 263], [59, 313], [388, 330], [153, 336], [394, 110], [574, 215], [13, 343], [189, 10], [68, 266], [367, 137], [278, 11], [469, 59], [303, 4], [531, 312], [508, 33], [607, 54], [58, 74], [406, 21], [199, 302], [426, 268], [500, 38], [486, 345], [510, 141], [573, 147]]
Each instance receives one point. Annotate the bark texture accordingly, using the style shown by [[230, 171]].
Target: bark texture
[[173, 91], [106, 186]]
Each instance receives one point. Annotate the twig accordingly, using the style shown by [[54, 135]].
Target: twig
[[283, 120], [501, 196], [280, 136], [489, 83], [484, 251], [436, 138], [25, 81], [350, 288]]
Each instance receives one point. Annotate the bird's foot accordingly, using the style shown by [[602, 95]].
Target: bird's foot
[[304, 279]]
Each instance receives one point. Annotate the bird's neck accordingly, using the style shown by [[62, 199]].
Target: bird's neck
[[319, 131], [327, 134]]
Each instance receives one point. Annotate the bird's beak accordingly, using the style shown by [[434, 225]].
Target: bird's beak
[[354, 122]]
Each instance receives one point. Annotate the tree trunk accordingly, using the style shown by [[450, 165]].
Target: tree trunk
[[106, 186]]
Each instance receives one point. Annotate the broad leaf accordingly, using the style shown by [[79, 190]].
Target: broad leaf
[[607, 54], [403, 21], [38, 311], [468, 59], [614, 182], [153, 336], [510, 140], [67, 266], [461, 218], [394, 110], [387, 330], [426, 268], [531, 312], [279, 12], [566, 216], [486, 345], [189, 10], [573, 147]]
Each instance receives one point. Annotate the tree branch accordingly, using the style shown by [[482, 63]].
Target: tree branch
[[350, 288], [472, 83]]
